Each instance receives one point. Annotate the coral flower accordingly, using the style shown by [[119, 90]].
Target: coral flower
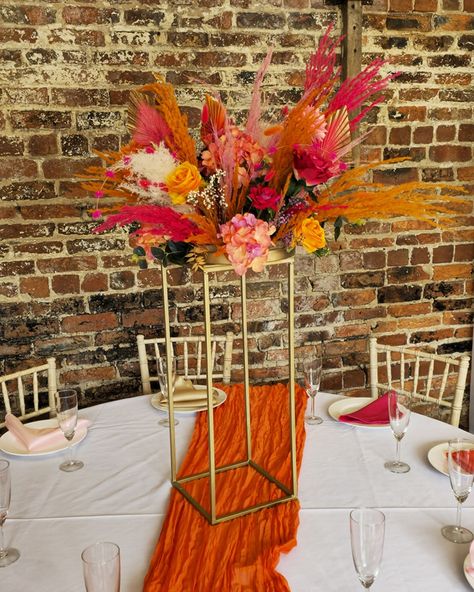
[[247, 241]]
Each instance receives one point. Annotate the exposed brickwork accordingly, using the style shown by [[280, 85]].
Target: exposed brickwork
[[66, 72]]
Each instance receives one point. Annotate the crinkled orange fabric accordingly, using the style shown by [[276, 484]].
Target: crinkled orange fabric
[[240, 555]]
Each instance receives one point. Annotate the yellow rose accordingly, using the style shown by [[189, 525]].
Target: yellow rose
[[182, 180], [312, 235]]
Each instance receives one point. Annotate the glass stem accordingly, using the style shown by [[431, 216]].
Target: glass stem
[[69, 450], [458, 515], [3, 551], [397, 455], [312, 406]]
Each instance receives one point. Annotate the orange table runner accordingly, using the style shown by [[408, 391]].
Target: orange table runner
[[242, 554]]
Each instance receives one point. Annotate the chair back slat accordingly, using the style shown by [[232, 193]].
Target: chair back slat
[[388, 364], [192, 353], [417, 375], [21, 394], [35, 391], [429, 380], [25, 388], [422, 375]]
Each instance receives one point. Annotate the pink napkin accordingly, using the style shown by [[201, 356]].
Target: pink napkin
[[40, 439], [374, 412]]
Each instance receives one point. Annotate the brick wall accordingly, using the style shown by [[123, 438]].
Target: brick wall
[[67, 68]]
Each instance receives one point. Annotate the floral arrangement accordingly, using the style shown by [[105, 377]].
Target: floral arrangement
[[241, 190]]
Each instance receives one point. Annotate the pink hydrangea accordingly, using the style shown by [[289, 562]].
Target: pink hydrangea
[[316, 165], [263, 197], [247, 241]]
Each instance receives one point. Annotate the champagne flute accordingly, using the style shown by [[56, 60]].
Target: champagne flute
[[461, 473], [399, 413], [367, 527], [66, 409], [312, 380], [101, 567], [7, 555], [162, 372]]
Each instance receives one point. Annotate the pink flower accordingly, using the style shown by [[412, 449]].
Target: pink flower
[[246, 241], [316, 165], [264, 197]]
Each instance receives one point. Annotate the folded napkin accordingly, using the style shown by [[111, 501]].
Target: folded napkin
[[374, 412], [187, 395], [36, 440], [464, 458]]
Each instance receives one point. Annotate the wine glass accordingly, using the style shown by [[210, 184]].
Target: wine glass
[[66, 410], [399, 413], [311, 383], [7, 555], [101, 567], [461, 473], [162, 373], [367, 527]]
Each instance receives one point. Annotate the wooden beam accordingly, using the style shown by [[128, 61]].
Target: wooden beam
[[352, 47]]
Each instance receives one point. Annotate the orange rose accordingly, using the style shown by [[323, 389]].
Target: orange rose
[[182, 180], [312, 235]]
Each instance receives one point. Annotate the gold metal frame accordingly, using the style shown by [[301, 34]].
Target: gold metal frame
[[290, 493]]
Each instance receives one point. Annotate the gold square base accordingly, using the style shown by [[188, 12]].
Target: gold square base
[[217, 519]]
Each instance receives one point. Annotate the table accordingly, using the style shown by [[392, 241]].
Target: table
[[121, 495]]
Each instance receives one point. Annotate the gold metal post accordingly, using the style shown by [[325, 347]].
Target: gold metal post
[[289, 492], [169, 378]]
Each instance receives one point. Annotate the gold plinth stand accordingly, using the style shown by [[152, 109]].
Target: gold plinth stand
[[277, 257]]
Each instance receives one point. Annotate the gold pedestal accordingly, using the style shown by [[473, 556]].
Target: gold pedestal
[[277, 257]]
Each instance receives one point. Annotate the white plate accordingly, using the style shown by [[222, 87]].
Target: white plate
[[158, 402], [469, 578], [349, 405], [10, 445], [438, 459]]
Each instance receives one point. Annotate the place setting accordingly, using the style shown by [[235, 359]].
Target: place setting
[[47, 437], [188, 398]]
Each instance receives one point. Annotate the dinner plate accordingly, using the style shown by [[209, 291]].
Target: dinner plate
[[9, 444], [158, 402], [438, 459], [469, 578], [349, 405]]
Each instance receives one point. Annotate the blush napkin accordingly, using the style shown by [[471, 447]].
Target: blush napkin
[[36, 440], [374, 412]]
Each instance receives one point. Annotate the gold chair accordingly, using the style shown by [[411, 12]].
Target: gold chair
[[192, 352], [421, 375], [25, 384]]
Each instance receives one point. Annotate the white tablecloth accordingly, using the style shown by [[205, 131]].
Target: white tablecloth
[[122, 492]]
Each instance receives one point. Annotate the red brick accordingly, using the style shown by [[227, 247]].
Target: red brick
[[66, 168], [94, 282], [87, 375], [37, 287], [443, 254], [47, 212], [400, 135], [42, 145], [59, 264], [409, 309], [401, 5], [453, 271], [89, 323], [466, 132], [426, 5], [464, 253], [449, 152], [420, 255], [7, 213], [148, 317], [445, 133], [17, 268], [65, 284], [457, 22], [16, 168]]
